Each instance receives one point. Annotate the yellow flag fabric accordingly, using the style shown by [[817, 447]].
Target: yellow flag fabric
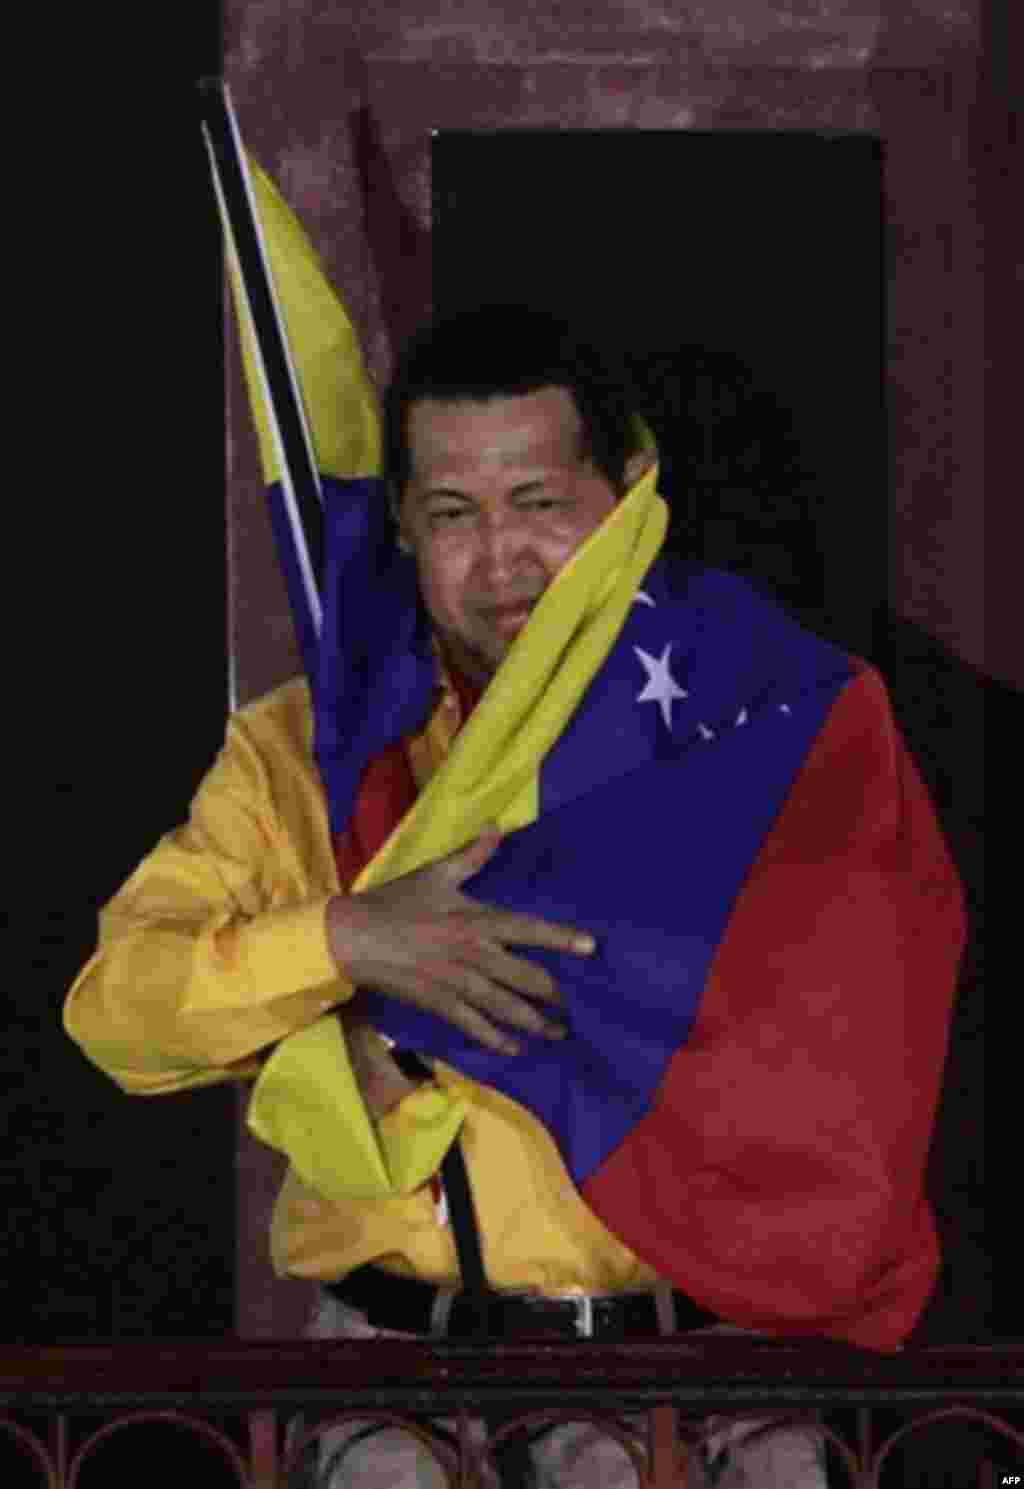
[[312, 1111], [340, 400], [306, 1102]]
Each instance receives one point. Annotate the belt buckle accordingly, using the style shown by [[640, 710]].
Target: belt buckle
[[584, 1315]]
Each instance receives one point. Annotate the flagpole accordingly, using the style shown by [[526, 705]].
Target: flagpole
[[282, 392]]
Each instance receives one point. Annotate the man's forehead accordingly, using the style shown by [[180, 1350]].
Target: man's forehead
[[533, 428]]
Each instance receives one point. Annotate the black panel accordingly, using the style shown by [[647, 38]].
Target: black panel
[[117, 1212], [741, 274]]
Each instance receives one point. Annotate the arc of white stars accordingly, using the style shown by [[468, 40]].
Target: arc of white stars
[[660, 687]]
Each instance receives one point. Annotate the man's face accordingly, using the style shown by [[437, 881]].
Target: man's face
[[499, 498]]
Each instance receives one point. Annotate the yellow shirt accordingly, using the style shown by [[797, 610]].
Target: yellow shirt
[[216, 948]]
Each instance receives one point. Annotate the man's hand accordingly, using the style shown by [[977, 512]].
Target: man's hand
[[419, 939], [381, 1084]]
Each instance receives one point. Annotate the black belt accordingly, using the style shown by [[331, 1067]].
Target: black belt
[[478, 1311], [402, 1303]]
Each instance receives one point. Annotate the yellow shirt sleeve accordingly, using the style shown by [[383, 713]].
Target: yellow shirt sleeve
[[216, 947]]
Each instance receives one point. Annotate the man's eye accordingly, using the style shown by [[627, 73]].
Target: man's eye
[[448, 514], [542, 501]]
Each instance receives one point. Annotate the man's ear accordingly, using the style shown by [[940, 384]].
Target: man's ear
[[404, 543], [638, 464]]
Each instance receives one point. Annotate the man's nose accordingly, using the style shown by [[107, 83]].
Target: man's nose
[[502, 540]]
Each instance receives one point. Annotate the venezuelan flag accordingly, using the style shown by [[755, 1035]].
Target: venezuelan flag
[[747, 1091]]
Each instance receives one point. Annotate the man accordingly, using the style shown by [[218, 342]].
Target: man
[[493, 495], [510, 453]]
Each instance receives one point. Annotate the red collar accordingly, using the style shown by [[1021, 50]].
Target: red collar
[[467, 692]]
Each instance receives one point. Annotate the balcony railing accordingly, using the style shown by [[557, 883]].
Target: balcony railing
[[225, 1411]]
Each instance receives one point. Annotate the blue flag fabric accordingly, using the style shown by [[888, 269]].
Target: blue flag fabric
[[373, 670], [675, 764], [651, 815]]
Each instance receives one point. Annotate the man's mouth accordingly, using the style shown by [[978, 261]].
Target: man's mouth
[[510, 618]]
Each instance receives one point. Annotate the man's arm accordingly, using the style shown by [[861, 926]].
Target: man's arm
[[230, 936], [216, 947]]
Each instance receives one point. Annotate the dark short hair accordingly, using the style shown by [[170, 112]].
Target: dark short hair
[[500, 350]]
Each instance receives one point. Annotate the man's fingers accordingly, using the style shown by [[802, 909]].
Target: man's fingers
[[479, 990], [520, 975], [506, 926], [529, 930], [467, 1018]]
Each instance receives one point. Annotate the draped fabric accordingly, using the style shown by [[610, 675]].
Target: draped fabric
[[754, 1053]]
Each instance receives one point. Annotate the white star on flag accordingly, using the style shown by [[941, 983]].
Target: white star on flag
[[660, 687], [643, 598]]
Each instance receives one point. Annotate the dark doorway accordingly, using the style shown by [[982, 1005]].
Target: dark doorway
[[741, 276]]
